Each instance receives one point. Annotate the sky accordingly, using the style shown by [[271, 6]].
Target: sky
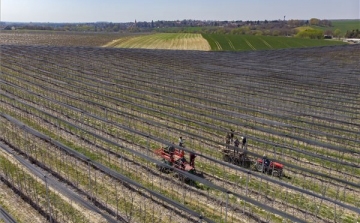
[[147, 10]]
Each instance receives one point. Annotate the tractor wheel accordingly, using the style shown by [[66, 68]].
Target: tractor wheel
[[259, 167]]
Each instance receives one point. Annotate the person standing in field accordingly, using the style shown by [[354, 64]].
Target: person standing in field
[[236, 144], [231, 136], [243, 142], [181, 141], [192, 159], [227, 140], [266, 163]]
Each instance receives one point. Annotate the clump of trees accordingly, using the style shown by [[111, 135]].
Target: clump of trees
[[267, 28], [319, 22], [311, 34], [353, 34], [335, 33]]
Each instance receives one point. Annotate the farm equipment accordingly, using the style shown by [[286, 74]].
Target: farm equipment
[[275, 168], [175, 157], [235, 157]]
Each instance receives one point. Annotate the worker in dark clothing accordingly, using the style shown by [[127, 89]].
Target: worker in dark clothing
[[227, 140], [231, 133], [266, 163], [171, 149], [182, 163], [243, 142], [192, 159], [231, 136], [172, 157], [236, 144]]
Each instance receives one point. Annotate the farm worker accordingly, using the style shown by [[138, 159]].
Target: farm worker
[[171, 152], [243, 142], [181, 141], [231, 135], [266, 163], [171, 149], [227, 139], [192, 159], [236, 142], [172, 157]]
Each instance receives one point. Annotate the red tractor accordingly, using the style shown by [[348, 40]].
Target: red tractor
[[175, 157], [273, 168]]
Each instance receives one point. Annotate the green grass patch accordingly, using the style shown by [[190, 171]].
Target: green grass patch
[[224, 42]]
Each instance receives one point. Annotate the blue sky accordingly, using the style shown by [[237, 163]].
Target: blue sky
[[147, 10]]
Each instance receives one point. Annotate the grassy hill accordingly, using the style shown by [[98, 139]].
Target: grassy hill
[[342, 25]]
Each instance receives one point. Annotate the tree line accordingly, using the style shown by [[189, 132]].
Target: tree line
[[353, 34], [238, 27]]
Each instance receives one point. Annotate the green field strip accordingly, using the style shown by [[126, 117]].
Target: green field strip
[[229, 42]]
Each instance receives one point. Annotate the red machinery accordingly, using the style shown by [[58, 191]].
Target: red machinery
[[175, 157], [275, 168]]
